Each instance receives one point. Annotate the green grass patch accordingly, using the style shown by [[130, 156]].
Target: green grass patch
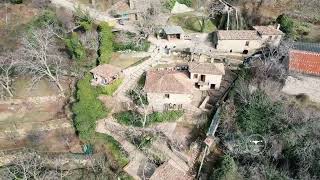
[[113, 147], [192, 23], [132, 118], [110, 88], [105, 43]]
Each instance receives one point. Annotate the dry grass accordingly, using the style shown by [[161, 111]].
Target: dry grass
[[123, 60]]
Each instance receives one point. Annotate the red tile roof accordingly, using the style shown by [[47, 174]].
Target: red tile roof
[[304, 62], [168, 81]]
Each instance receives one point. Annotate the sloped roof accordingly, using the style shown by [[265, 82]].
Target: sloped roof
[[238, 35], [268, 30], [304, 46], [173, 30], [304, 62], [168, 81], [167, 171], [106, 70], [207, 68]]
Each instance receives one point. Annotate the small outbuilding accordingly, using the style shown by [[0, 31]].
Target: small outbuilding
[[105, 74], [172, 32], [206, 75]]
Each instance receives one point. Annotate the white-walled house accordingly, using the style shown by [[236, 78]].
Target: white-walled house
[[105, 74], [247, 41], [206, 75], [168, 89]]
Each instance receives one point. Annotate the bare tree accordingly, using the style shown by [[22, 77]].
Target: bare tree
[[90, 40], [40, 56], [146, 25], [8, 63], [32, 165]]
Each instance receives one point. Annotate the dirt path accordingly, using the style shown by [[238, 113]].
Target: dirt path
[[132, 75]]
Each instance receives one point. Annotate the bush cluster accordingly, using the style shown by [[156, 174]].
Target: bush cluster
[[88, 109], [133, 118], [75, 48], [144, 46], [83, 19], [106, 44]]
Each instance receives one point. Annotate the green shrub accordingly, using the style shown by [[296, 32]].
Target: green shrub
[[129, 118], [106, 45], [16, 1], [260, 114], [75, 47], [166, 116], [228, 169], [287, 24], [110, 88], [169, 4], [144, 46], [114, 148], [88, 109], [132, 118], [186, 2], [83, 19], [47, 17]]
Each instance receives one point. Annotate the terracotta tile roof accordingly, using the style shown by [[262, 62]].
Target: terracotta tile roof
[[207, 68], [106, 70], [168, 171], [168, 81], [268, 30], [238, 35], [304, 62]]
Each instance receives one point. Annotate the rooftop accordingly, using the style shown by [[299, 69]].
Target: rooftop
[[173, 30], [304, 62], [303, 46], [106, 70], [237, 35], [168, 81], [207, 68], [268, 30]]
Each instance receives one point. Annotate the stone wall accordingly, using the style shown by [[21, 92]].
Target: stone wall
[[158, 100]]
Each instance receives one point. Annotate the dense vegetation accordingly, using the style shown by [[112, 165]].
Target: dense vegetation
[[75, 48], [88, 109], [110, 88], [106, 46], [289, 127], [133, 118]]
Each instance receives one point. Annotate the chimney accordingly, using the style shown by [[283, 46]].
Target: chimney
[[278, 27], [131, 4]]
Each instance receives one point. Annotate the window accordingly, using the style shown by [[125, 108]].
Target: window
[[247, 43], [195, 76], [167, 96]]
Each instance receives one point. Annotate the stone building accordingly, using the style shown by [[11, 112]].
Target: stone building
[[105, 74], [206, 75], [172, 32], [168, 89], [247, 41]]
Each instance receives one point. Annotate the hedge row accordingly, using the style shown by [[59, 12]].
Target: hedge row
[[106, 45], [88, 109]]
